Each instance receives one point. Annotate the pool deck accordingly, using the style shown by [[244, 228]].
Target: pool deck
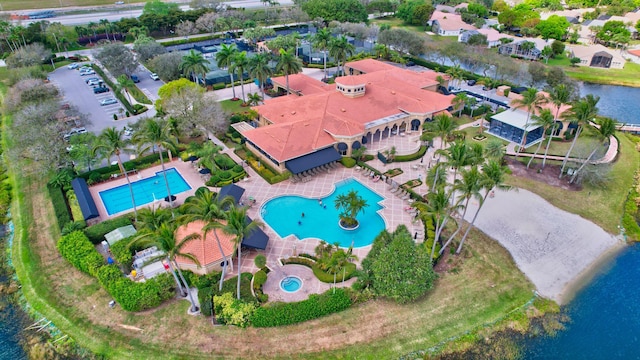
[[310, 283]]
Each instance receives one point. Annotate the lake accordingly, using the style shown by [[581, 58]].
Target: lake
[[617, 102]]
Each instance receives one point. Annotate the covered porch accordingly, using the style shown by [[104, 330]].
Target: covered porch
[[516, 126]]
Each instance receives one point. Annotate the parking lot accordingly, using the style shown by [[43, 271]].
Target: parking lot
[[76, 92]]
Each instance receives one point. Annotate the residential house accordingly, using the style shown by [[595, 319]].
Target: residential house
[[517, 49], [493, 36], [448, 24], [597, 55]]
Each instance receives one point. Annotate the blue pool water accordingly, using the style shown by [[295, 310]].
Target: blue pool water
[[605, 317], [283, 214], [145, 191], [290, 284]]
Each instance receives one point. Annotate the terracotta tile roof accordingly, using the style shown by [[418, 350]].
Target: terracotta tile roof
[[302, 125], [369, 65], [206, 251], [548, 105], [635, 52], [450, 21], [302, 84]]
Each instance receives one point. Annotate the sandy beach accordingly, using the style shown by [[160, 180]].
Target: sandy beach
[[555, 249]]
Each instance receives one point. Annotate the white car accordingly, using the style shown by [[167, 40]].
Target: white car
[[72, 66], [108, 101], [155, 76], [94, 82], [88, 72], [74, 131], [127, 131]]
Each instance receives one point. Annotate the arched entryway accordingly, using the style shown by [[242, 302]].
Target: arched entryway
[[558, 128], [415, 125], [342, 148]]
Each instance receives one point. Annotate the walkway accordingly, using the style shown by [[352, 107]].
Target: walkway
[[310, 283]]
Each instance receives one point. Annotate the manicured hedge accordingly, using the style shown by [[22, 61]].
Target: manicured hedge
[[122, 98], [97, 232], [348, 162], [135, 296], [316, 306], [122, 253], [204, 299], [78, 250], [210, 288], [60, 207], [415, 156], [104, 173]]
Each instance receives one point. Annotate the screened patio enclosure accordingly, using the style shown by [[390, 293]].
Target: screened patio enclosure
[[512, 124]]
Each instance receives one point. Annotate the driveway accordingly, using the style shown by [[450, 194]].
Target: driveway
[[147, 85]]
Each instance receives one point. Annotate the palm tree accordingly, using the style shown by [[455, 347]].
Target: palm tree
[[194, 64], [165, 239], [583, 111], [123, 83], [112, 142], [469, 184], [492, 178], [548, 123], [240, 64], [289, 64], [532, 100], [152, 219], [442, 125], [345, 258], [351, 205], [238, 225], [455, 73], [224, 59], [107, 25], [606, 128], [340, 49], [459, 102], [560, 95], [321, 41], [382, 51], [470, 101], [205, 206], [494, 149], [439, 210], [254, 99], [155, 134], [259, 68]]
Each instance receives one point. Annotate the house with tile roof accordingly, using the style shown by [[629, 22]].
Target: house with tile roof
[[597, 55], [493, 36], [206, 251], [301, 131], [448, 24]]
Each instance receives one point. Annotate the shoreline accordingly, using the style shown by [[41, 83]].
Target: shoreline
[[599, 265]]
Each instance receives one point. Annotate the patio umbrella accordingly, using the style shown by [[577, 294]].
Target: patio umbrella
[[192, 158], [205, 171], [173, 198]]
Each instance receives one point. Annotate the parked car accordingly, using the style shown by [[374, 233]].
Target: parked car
[[94, 82], [135, 78], [88, 72], [100, 90], [72, 66], [471, 82], [410, 63], [74, 131], [128, 131], [91, 79], [108, 101], [155, 76]]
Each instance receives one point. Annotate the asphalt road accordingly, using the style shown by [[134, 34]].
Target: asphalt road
[[130, 12]]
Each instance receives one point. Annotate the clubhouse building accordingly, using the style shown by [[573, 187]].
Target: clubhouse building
[[319, 123]]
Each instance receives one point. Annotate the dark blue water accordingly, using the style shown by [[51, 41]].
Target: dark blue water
[[11, 323], [617, 102], [605, 317]]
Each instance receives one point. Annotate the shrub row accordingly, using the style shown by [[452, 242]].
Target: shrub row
[[468, 75], [322, 275], [104, 173], [315, 306], [122, 253], [132, 295], [630, 216], [431, 236], [78, 250], [210, 288], [415, 156], [60, 207], [232, 311], [259, 278], [122, 98], [97, 232], [189, 40]]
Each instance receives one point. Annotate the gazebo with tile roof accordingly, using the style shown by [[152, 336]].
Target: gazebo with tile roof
[[206, 251]]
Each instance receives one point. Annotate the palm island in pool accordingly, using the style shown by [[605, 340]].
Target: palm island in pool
[[145, 191], [320, 221]]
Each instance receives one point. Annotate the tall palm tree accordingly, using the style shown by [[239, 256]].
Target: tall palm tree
[[606, 128], [548, 124], [442, 125], [439, 210], [559, 95], [345, 258], [583, 111], [469, 185], [254, 99], [224, 59], [259, 68], [493, 175], [238, 225], [240, 64], [112, 142], [205, 206], [459, 101], [106, 24], [153, 218], [494, 149], [123, 83], [164, 238], [289, 64], [351, 205], [194, 64], [532, 101], [340, 49], [156, 135], [321, 41]]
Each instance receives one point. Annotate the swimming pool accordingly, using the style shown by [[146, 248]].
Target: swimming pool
[[147, 190], [283, 214]]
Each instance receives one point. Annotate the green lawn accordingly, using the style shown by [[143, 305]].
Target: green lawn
[[629, 76], [560, 60], [602, 205], [233, 106], [395, 22]]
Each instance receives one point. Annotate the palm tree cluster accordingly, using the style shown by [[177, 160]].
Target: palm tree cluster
[[333, 259]]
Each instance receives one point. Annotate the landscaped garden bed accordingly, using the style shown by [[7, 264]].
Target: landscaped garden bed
[[393, 172], [412, 183]]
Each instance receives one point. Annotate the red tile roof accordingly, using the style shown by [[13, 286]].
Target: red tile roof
[[302, 125], [635, 52], [206, 251], [369, 65], [302, 84]]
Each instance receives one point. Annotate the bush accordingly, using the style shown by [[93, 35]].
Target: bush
[[232, 311], [122, 253], [316, 306], [78, 250], [204, 299], [259, 278], [415, 156], [229, 285], [218, 86], [60, 207], [135, 296], [97, 232], [224, 161], [348, 162], [105, 173]]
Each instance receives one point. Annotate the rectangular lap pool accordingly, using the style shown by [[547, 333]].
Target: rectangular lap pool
[[145, 191]]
